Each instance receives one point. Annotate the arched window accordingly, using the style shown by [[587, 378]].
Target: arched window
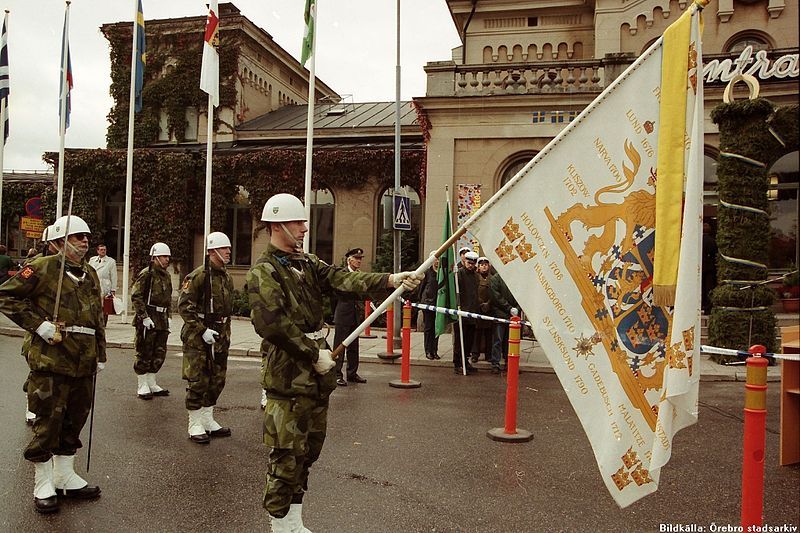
[[783, 208], [514, 165], [321, 227], [409, 240], [742, 40]]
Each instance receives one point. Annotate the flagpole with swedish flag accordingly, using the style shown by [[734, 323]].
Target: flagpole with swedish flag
[[308, 51], [138, 59]]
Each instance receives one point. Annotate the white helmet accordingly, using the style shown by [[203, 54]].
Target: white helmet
[[217, 239], [59, 227], [159, 248], [283, 208]]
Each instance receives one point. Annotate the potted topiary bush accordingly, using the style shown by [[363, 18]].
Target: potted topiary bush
[[790, 295]]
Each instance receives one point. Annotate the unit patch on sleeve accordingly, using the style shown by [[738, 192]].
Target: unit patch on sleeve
[[26, 272]]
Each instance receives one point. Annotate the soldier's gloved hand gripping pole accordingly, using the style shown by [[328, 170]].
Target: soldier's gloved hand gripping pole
[[420, 271]]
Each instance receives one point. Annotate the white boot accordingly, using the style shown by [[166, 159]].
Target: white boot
[[64, 476], [212, 427], [144, 391], [282, 525], [296, 515], [43, 486], [263, 399], [197, 431], [154, 387]]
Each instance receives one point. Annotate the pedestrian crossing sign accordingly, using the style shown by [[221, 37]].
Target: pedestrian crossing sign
[[402, 213]]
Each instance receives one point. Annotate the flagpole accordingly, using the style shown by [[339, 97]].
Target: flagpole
[[63, 114], [126, 261], [397, 233], [312, 82], [209, 149], [456, 261], [3, 111]]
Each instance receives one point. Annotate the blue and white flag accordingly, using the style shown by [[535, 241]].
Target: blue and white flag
[[141, 57], [65, 62], [5, 82]]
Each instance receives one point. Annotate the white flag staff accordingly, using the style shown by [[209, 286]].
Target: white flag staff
[[57, 335], [309, 52]]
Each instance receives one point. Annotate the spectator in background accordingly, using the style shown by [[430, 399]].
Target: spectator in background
[[346, 316], [462, 252], [106, 269], [483, 328], [503, 305], [427, 295], [6, 264], [468, 301]]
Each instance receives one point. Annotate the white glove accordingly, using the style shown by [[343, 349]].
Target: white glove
[[148, 323], [46, 330], [100, 367], [409, 280], [514, 311], [210, 336], [325, 362]]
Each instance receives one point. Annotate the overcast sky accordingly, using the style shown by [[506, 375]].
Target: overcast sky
[[355, 55]]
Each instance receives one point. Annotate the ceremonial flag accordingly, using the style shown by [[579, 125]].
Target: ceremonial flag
[[310, 16], [141, 57], [445, 279], [66, 63], [573, 236], [5, 81], [209, 72]]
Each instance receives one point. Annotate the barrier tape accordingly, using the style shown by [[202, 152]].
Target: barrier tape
[[744, 354], [466, 314]]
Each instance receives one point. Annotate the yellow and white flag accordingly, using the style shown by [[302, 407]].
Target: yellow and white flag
[[574, 235]]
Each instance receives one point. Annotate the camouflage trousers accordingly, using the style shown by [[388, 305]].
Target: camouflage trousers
[[61, 404], [294, 430], [151, 350], [204, 379]]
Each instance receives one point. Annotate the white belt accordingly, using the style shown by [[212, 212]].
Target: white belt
[[157, 308], [202, 315], [315, 335], [78, 329]]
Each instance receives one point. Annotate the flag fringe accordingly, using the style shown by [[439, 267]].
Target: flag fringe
[[664, 295]]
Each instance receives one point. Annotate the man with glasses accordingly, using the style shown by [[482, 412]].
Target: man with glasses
[[468, 301], [63, 357]]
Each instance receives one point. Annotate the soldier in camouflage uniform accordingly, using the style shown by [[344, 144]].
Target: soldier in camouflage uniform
[[152, 297], [63, 358], [285, 289], [206, 337]]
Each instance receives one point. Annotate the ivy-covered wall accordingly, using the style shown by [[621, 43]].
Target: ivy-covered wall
[[169, 187]]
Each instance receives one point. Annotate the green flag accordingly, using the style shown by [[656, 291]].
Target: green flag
[[310, 16], [446, 279]]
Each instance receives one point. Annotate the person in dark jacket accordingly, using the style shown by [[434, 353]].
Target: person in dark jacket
[[346, 316], [483, 328], [503, 305], [468, 301], [427, 295]]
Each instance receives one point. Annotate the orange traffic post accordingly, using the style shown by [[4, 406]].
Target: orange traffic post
[[510, 433], [755, 436], [405, 365], [367, 311], [389, 353]]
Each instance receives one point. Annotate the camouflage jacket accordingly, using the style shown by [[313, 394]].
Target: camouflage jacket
[[285, 292], [29, 298], [192, 306], [152, 288]]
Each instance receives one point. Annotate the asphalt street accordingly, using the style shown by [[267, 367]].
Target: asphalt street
[[402, 460]]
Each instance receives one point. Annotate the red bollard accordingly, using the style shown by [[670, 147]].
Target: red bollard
[[367, 311], [389, 353], [755, 435], [510, 433], [405, 366]]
